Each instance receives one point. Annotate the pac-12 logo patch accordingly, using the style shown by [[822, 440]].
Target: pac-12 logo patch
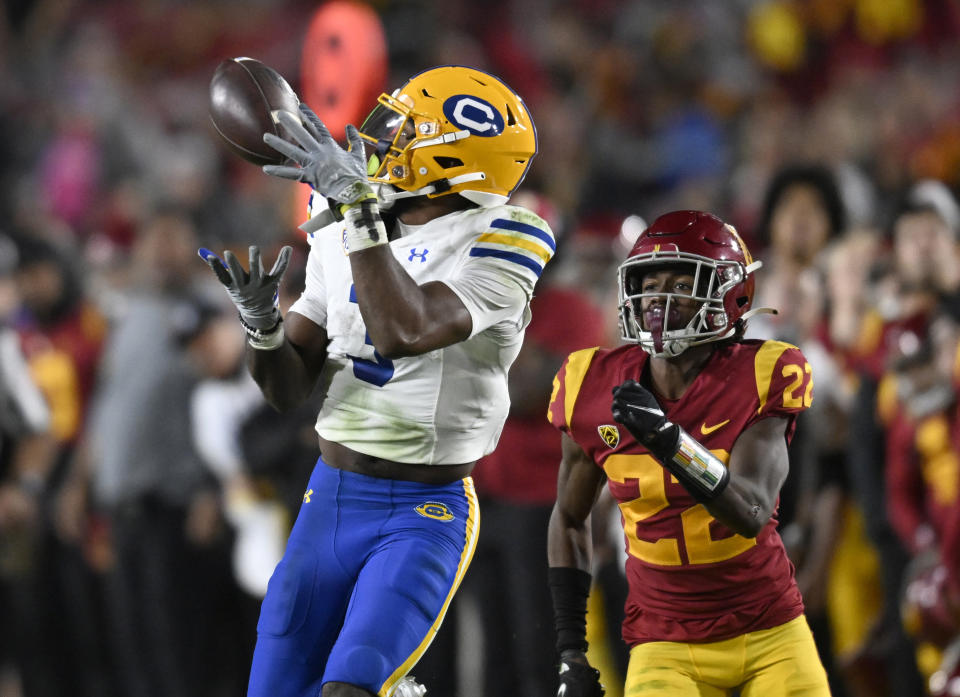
[[435, 510], [473, 114], [610, 434]]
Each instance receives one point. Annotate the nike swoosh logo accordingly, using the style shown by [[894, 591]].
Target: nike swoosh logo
[[658, 412], [707, 430]]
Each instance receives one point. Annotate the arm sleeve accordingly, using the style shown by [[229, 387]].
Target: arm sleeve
[[312, 302]]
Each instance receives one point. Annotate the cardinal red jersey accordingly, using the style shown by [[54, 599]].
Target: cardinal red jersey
[[922, 472], [690, 578]]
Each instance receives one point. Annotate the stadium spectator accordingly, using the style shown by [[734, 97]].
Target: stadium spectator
[[837, 568], [802, 213], [62, 334], [27, 451], [907, 288], [161, 505]]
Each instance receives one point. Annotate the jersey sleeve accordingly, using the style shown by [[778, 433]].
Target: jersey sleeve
[[784, 380], [503, 265], [312, 302], [566, 388]]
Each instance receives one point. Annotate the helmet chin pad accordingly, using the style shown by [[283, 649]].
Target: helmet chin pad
[[485, 199]]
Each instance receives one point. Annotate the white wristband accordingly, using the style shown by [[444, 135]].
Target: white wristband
[[270, 342], [365, 228]]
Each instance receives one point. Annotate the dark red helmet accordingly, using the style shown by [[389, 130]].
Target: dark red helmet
[[720, 264]]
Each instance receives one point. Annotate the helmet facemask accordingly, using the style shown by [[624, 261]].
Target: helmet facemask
[[712, 280], [396, 132]]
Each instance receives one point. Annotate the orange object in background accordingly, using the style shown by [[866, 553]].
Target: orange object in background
[[343, 68]]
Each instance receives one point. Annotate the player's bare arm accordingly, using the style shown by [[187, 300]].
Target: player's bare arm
[[402, 317], [569, 555], [757, 469], [579, 483], [288, 374], [284, 360]]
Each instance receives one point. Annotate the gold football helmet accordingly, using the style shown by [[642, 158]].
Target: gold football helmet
[[450, 130]]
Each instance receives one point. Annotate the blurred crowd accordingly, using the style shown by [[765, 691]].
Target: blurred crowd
[[146, 490]]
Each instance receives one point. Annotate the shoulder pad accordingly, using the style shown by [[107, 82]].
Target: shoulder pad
[[784, 378]]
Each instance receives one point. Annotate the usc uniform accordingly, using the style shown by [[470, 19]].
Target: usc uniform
[[700, 596]]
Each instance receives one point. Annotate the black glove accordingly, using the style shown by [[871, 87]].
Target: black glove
[[637, 409], [696, 468], [579, 680]]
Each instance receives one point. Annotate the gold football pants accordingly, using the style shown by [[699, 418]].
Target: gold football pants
[[777, 662]]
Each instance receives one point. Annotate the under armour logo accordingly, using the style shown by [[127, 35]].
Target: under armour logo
[[307, 495], [414, 254]]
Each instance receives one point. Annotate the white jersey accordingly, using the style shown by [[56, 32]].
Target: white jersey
[[446, 406]]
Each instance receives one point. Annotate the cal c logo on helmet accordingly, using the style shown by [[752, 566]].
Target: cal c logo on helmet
[[435, 510], [473, 114], [610, 434]]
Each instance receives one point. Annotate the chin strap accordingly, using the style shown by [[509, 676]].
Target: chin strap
[[387, 195], [440, 140], [758, 311]]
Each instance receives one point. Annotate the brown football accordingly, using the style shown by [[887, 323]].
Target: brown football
[[244, 93]]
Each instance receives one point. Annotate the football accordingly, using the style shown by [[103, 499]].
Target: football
[[244, 94]]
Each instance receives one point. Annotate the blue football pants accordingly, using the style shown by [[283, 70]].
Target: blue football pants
[[369, 570]]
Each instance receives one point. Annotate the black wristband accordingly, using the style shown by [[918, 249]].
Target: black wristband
[[260, 334], [570, 589]]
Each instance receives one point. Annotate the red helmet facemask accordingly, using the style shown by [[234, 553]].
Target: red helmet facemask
[[709, 250]]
